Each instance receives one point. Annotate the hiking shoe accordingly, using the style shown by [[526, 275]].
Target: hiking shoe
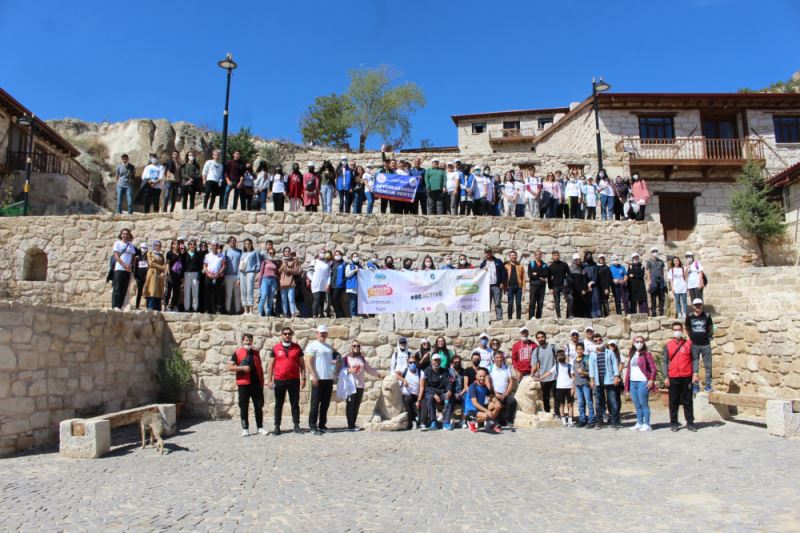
[[317, 431], [581, 425], [473, 427], [323, 429], [590, 425], [692, 428], [275, 431], [245, 433], [616, 425], [673, 427]]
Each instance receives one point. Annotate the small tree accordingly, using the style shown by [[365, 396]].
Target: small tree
[[327, 120], [271, 154], [752, 212], [242, 141], [381, 109]]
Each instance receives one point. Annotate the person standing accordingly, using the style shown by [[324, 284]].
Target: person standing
[[641, 194], [247, 189], [604, 280], [606, 191], [295, 188], [156, 274], [638, 292], [279, 183], [544, 360], [311, 189], [190, 180], [358, 367], [656, 281], [497, 280], [321, 366], [538, 275], [123, 253], [557, 279], [234, 172], [344, 185], [700, 329], [125, 173], [140, 271], [619, 283], [320, 282], [213, 274], [369, 187], [152, 181], [246, 364], [565, 393], [640, 376], [436, 188], [695, 277], [249, 266], [212, 178], [289, 268], [351, 284], [453, 194], [533, 187], [515, 273], [172, 181], [192, 269], [466, 191], [604, 374], [286, 374], [233, 294], [676, 279], [681, 371], [420, 204], [327, 183], [581, 383], [172, 296]]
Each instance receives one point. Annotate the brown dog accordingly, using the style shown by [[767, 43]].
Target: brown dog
[[156, 423]]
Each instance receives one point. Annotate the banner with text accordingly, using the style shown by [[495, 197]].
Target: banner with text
[[392, 291], [396, 187]]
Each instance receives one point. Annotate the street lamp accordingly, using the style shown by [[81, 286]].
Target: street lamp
[[598, 87], [28, 122], [228, 64]]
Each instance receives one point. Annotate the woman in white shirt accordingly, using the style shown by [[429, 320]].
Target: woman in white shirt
[[320, 282], [262, 185], [509, 194], [533, 185], [639, 381], [695, 281], [676, 279], [279, 182]]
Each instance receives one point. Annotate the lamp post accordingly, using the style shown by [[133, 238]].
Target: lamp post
[[228, 64], [598, 87], [27, 121]]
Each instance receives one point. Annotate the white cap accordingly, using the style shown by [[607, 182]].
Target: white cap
[[615, 343], [574, 332], [344, 158], [484, 334], [524, 328], [436, 355], [322, 328], [369, 165], [311, 164], [697, 301], [588, 328], [181, 238], [635, 254], [653, 249], [688, 254], [602, 255], [143, 245], [575, 256], [614, 257]]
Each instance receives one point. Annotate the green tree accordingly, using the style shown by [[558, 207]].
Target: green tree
[[752, 211], [327, 120], [426, 143], [242, 141], [379, 108], [272, 155]]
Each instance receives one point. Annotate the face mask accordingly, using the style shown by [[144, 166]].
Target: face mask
[[602, 174], [484, 342], [615, 261], [355, 259], [448, 261], [321, 256], [677, 334], [457, 365], [389, 262], [153, 160], [562, 360], [525, 338], [191, 158], [635, 177], [477, 172], [462, 261], [412, 367], [337, 257], [654, 255], [476, 363], [638, 345]]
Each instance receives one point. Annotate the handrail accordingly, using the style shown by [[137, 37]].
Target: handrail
[[512, 133], [695, 148], [49, 163]]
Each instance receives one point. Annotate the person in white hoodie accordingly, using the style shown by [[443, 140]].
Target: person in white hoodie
[[320, 281], [152, 182]]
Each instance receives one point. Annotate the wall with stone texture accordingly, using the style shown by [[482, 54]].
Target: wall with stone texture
[[60, 363], [79, 248]]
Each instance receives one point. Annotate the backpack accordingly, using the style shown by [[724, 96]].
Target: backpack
[[569, 369], [311, 184]]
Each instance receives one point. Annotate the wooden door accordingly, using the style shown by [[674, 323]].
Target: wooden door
[[721, 138], [677, 215]]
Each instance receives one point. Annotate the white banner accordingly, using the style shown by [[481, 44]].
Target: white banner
[[392, 291]]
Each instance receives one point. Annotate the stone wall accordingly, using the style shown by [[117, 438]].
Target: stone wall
[[60, 363]]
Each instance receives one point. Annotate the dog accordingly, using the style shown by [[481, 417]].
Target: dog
[[156, 423]]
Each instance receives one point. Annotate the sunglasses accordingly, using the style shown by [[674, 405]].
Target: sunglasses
[[356, 346], [286, 333]]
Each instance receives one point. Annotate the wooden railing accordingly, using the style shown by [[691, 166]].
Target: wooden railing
[[512, 134], [692, 148], [48, 163]]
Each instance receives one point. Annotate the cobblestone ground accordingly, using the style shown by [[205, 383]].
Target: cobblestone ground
[[730, 477]]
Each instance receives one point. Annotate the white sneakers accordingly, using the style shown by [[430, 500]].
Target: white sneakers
[[645, 428], [637, 427], [245, 433], [262, 431]]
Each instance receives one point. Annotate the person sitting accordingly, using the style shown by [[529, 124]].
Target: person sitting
[[410, 380], [435, 391], [502, 383], [482, 407]]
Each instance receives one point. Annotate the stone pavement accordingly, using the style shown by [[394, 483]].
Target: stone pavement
[[731, 476]]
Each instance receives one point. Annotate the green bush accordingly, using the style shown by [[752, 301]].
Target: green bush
[[174, 377]]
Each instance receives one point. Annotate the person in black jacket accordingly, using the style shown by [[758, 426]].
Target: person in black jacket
[[140, 270], [604, 279], [591, 299], [497, 277], [575, 289], [558, 272], [538, 276], [192, 261]]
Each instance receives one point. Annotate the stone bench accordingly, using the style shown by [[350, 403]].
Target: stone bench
[[783, 416], [90, 438]]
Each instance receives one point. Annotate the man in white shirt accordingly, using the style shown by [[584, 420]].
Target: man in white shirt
[[213, 276], [694, 277], [502, 383], [321, 365], [483, 350], [212, 178], [123, 253], [152, 181], [451, 184], [533, 186]]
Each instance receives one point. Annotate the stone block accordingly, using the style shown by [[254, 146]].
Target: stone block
[[783, 418], [403, 321], [437, 320], [469, 320], [705, 411], [93, 443], [454, 319], [418, 321], [482, 320]]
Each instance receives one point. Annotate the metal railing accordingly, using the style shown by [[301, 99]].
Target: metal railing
[[692, 148], [513, 134], [48, 163]]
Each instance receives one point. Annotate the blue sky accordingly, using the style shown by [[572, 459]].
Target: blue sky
[[118, 60]]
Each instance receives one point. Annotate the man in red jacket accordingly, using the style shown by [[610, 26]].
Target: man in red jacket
[[286, 373], [681, 371], [521, 353], [246, 363]]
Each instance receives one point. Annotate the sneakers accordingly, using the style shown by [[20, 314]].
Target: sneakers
[[590, 425], [316, 431], [645, 428], [673, 427], [297, 429], [262, 431], [433, 426], [422, 428], [496, 428], [275, 431], [473, 427], [448, 427], [692, 428], [245, 433], [570, 423], [695, 388], [563, 421], [637, 427]]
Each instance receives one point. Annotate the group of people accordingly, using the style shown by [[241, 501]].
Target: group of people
[[440, 392], [200, 276], [453, 188]]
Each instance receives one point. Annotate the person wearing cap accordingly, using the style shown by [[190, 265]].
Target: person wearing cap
[[571, 344], [515, 274], [344, 185], [311, 182], [434, 391], [466, 191], [286, 374], [295, 188], [680, 369], [604, 281], [320, 365], [522, 352], [213, 278], [656, 281], [436, 188], [399, 358], [497, 280], [420, 204], [556, 281], [604, 375], [453, 194], [637, 286], [619, 284], [156, 275], [152, 182], [700, 328], [576, 289], [246, 364], [538, 275], [695, 277]]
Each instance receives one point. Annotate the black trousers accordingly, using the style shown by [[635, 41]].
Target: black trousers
[[536, 303], [548, 391], [151, 196], [557, 292], [214, 294], [140, 279], [292, 386], [657, 297], [509, 410], [188, 193], [255, 393], [318, 304], [119, 287], [320, 401], [277, 201], [680, 393], [384, 204], [212, 192], [337, 302], [351, 409], [172, 295], [410, 405]]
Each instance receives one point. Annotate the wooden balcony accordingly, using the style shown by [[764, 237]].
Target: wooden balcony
[[48, 163], [508, 136]]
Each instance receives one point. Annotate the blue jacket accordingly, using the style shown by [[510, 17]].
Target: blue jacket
[[338, 276], [466, 184], [351, 276], [499, 268], [612, 367], [344, 179]]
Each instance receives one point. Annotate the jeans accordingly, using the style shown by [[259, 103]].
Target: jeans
[[606, 207], [680, 393], [326, 193], [128, 192], [705, 352], [620, 297], [657, 297], [606, 394], [153, 304], [640, 395], [191, 291], [430, 407], [262, 201], [536, 303], [515, 297], [352, 302], [358, 201], [282, 387], [246, 286], [225, 197], [532, 205], [170, 195], [320, 401], [253, 392], [351, 409], [497, 297], [370, 201], [557, 292], [410, 405], [119, 288], [267, 295], [212, 191], [287, 301], [680, 304], [584, 393]]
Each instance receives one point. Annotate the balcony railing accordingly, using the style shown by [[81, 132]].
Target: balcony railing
[[48, 163], [699, 149], [512, 135]]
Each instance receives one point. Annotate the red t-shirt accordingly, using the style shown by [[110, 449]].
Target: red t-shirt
[[287, 361], [521, 356]]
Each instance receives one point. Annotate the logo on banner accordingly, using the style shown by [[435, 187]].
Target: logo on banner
[[467, 288], [381, 178], [380, 290]]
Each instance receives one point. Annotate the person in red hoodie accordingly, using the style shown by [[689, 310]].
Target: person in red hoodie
[[681, 371], [246, 363], [286, 373], [521, 353]]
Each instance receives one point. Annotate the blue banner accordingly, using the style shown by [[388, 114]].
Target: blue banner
[[396, 187]]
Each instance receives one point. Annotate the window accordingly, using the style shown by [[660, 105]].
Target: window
[[34, 266], [511, 125], [478, 127], [544, 122], [656, 128], [787, 129]]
